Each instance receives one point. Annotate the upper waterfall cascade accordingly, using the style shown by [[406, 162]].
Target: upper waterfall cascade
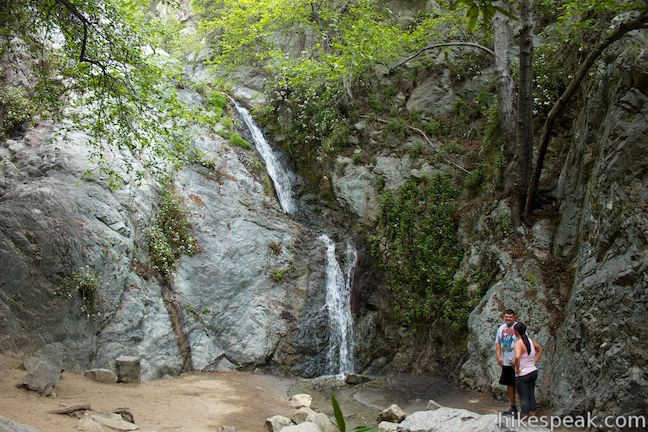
[[339, 356], [282, 177]]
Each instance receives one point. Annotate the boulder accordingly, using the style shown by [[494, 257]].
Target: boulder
[[301, 400], [7, 425], [301, 414], [392, 414], [129, 369], [304, 427], [323, 422], [354, 379], [101, 375], [278, 422], [42, 379], [458, 420]]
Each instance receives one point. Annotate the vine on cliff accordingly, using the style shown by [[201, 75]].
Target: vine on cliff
[[417, 245]]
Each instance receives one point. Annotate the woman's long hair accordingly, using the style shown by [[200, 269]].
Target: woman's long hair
[[521, 328]]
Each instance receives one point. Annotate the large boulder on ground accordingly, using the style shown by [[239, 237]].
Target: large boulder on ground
[[301, 414], [42, 379], [459, 420], [304, 427], [385, 426], [323, 421]]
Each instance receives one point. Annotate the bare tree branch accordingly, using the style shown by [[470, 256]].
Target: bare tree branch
[[429, 141], [441, 45], [636, 23]]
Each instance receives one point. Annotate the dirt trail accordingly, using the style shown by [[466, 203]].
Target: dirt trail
[[191, 403]]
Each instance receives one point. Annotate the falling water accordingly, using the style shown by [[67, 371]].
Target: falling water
[[338, 304], [339, 356], [282, 177]]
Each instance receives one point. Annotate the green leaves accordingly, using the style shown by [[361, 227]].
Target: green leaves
[[339, 417], [416, 243], [341, 424]]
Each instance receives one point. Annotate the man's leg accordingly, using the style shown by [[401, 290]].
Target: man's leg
[[511, 396]]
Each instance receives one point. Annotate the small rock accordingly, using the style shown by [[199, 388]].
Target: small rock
[[322, 421], [301, 400], [278, 422], [129, 369], [361, 125], [304, 427], [432, 405], [87, 424], [392, 414], [301, 415], [354, 379], [101, 375], [386, 426], [114, 421], [42, 379]]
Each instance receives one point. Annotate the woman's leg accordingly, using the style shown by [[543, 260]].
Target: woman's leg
[[533, 376], [522, 387]]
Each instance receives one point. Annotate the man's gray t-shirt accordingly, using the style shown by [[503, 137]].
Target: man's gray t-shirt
[[506, 338]]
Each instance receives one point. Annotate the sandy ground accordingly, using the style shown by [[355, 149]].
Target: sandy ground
[[191, 403]]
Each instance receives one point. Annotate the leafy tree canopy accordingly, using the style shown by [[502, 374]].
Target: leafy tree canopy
[[96, 65]]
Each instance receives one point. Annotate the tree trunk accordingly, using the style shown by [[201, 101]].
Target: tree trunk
[[636, 23], [502, 36], [525, 115]]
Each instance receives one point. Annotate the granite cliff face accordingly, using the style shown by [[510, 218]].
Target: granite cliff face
[[588, 306], [58, 222]]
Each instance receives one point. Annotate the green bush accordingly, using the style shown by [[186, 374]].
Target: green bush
[[474, 180], [337, 139], [239, 141], [398, 127], [277, 275], [171, 235], [416, 242], [15, 108], [85, 283]]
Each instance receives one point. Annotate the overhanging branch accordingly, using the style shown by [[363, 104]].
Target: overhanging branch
[[441, 45]]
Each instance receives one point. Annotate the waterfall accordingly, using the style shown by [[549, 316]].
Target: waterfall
[[282, 177], [338, 304], [339, 356]]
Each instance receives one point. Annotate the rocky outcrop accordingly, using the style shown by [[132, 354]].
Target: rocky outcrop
[[601, 363], [579, 278], [235, 301]]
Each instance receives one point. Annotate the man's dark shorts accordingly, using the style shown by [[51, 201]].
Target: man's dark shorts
[[508, 376]]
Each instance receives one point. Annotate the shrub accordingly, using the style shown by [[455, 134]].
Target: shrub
[[85, 283], [277, 275], [416, 242], [239, 141], [171, 235], [474, 180], [398, 127], [15, 109]]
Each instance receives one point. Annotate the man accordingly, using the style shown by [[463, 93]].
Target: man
[[504, 342]]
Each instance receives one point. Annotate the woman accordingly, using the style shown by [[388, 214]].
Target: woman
[[527, 355]]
